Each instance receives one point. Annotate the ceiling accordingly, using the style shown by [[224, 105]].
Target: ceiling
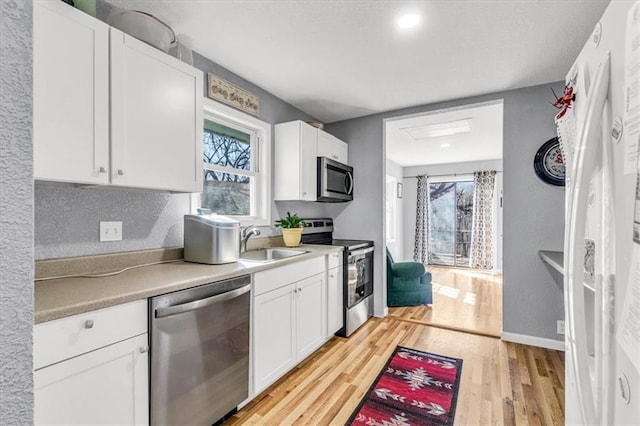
[[340, 59], [482, 142]]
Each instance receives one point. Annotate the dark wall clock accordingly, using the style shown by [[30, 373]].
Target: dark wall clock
[[549, 163]]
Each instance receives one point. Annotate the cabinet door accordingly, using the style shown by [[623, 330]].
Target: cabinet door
[[331, 147], [156, 118], [273, 336], [325, 145], [342, 152], [106, 386], [71, 95], [308, 162], [334, 300], [310, 314]]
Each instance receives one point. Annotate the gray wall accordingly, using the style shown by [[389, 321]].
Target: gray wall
[[16, 213], [67, 218], [411, 191], [397, 247], [533, 211]]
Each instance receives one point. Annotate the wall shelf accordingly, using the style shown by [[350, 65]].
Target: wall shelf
[[555, 259]]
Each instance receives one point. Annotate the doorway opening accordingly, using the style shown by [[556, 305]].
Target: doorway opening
[[446, 212]]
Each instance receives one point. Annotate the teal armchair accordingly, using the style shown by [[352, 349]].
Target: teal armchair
[[408, 283]]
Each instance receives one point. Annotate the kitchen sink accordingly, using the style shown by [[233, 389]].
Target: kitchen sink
[[270, 254]]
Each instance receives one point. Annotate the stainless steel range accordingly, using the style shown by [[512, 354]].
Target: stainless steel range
[[357, 276]]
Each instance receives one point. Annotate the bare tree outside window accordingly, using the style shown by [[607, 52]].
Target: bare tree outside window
[[225, 192], [451, 215]]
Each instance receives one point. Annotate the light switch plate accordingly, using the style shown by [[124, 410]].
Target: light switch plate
[[560, 327], [111, 231]]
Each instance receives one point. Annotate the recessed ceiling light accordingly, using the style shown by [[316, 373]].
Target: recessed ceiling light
[[408, 20], [445, 145]]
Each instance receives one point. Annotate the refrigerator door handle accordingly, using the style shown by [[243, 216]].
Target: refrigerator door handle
[[583, 164]]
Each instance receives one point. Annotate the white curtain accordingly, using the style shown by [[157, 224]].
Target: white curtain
[[422, 247], [482, 227]]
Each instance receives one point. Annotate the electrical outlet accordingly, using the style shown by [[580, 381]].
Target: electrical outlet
[[560, 327], [111, 231]]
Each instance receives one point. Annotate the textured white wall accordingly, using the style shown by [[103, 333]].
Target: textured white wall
[[16, 213]]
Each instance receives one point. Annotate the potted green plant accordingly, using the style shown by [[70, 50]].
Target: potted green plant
[[291, 227]]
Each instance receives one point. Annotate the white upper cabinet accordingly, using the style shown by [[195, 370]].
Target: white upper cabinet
[[295, 161], [110, 109], [156, 118], [71, 95], [331, 147]]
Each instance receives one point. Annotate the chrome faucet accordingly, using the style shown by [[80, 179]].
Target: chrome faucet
[[247, 233]]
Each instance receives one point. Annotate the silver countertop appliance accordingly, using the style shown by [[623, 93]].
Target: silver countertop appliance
[[210, 238]]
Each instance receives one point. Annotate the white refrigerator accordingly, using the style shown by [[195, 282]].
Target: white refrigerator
[[599, 135]]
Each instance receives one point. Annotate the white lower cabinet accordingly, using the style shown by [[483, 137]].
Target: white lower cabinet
[[106, 386], [335, 318], [92, 378], [310, 314], [289, 318], [274, 351]]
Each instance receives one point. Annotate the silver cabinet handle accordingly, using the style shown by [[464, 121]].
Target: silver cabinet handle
[[88, 324], [120, 172], [144, 349], [198, 304], [295, 290], [102, 170], [331, 276]]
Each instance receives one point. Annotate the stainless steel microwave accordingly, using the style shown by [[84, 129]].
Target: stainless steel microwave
[[335, 181]]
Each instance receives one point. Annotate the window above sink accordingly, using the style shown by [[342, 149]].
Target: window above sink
[[236, 165]]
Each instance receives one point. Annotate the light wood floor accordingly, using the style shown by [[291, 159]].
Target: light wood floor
[[501, 383], [463, 299]]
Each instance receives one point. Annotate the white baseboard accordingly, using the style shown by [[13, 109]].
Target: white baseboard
[[540, 342], [385, 312]]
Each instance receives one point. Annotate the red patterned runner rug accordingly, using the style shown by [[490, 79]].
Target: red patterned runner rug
[[413, 388]]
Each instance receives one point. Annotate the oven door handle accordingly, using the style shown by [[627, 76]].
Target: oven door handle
[[201, 303], [361, 252]]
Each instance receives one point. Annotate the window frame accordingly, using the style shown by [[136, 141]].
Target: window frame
[[391, 208], [260, 174]]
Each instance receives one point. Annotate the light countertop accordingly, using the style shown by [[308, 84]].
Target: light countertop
[[63, 297]]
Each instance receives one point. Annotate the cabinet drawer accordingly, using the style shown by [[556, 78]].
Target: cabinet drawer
[[57, 340], [278, 277], [334, 260]]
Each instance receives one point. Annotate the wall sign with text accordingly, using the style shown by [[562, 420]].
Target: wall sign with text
[[230, 94]]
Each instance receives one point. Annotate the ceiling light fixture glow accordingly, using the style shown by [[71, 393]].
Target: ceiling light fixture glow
[[438, 130], [445, 145], [408, 20]]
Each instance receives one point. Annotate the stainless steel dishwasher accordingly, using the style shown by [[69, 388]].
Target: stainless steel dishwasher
[[199, 352]]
